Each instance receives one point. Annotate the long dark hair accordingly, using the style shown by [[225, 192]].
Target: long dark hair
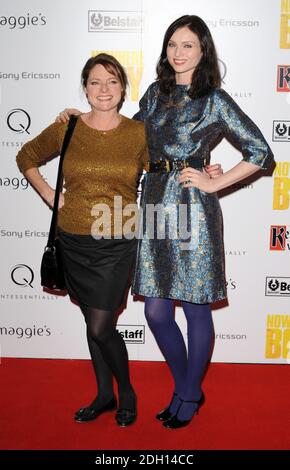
[[206, 75], [112, 66]]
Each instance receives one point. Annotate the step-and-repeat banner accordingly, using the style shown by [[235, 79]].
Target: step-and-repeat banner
[[44, 46]]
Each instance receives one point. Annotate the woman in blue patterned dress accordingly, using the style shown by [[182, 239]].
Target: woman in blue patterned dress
[[186, 114]]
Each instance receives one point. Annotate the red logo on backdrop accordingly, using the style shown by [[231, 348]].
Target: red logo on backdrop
[[278, 238], [283, 78]]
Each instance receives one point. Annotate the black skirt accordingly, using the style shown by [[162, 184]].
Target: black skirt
[[97, 272]]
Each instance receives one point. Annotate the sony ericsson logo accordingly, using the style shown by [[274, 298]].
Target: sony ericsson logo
[[108, 21]]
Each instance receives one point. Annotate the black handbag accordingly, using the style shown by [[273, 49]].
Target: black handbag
[[51, 271]]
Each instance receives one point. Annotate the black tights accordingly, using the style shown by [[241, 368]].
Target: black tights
[[109, 356]]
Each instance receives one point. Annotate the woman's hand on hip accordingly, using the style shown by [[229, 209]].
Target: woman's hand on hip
[[214, 171], [49, 199], [191, 178]]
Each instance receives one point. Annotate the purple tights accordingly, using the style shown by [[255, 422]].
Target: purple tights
[[187, 365]]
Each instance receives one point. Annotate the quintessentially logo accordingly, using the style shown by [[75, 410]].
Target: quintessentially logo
[[281, 131], [235, 252], [223, 69], [278, 337], [18, 120], [283, 78], [108, 21], [281, 188], [22, 275], [277, 286], [285, 25], [279, 238], [133, 63]]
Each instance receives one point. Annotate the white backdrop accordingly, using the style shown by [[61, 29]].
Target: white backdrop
[[44, 46]]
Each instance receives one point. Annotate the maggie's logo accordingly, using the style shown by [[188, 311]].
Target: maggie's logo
[[279, 236]]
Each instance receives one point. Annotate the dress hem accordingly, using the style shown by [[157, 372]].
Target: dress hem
[[184, 299]]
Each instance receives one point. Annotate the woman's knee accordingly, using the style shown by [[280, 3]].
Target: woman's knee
[[100, 335], [158, 311]]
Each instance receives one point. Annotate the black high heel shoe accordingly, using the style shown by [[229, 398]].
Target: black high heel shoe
[[165, 414], [90, 413], [175, 423]]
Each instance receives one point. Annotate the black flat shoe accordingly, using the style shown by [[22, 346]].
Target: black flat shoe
[[165, 414], [175, 423], [89, 414], [125, 417]]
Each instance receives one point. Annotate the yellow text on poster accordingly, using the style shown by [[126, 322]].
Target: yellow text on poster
[[132, 61]]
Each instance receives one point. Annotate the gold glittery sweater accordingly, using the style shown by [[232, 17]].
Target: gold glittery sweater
[[100, 167]]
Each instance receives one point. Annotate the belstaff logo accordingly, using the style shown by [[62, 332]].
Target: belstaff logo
[[281, 189], [283, 78], [108, 21], [22, 275], [18, 120], [279, 238], [281, 131], [132, 334], [277, 286], [133, 63], [285, 25]]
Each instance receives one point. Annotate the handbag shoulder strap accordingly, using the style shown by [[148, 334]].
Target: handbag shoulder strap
[[69, 132]]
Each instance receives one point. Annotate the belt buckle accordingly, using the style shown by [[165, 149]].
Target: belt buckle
[[178, 164], [167, 165], [157, 165]]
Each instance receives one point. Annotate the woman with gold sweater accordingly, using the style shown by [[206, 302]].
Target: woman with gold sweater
[[104, 160]]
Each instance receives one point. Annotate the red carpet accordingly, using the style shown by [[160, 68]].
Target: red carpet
[[247, 407]]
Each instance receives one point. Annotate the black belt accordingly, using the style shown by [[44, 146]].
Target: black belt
[[171, 165]]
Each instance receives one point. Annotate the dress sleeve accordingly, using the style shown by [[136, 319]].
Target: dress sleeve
[[147, 102], [42, 148], [242, 132]]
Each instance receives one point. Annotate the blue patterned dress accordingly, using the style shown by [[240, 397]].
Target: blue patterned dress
[[172, 264]]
